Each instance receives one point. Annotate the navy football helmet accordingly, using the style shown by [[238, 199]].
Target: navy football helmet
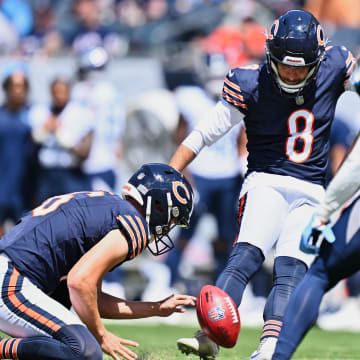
[[167, 199], [295, 39], [90, 60]]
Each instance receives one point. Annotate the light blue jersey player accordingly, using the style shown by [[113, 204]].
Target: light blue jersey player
[[338, 255], [287, 105], [82, 236]]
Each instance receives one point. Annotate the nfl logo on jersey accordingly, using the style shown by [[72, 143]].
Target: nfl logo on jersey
[[216, 313]]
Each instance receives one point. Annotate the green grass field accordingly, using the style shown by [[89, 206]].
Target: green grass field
[[158, 342]]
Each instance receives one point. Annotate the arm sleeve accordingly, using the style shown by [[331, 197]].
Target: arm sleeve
[[344, 184], [218, 122]]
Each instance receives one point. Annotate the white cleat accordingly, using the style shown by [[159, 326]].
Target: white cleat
[[265, 350], [199, 345]]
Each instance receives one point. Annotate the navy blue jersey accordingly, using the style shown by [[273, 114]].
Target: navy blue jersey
[[48, 241], [286, 137]]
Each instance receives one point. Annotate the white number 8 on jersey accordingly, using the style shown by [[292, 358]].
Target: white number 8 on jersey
[[295, 134]]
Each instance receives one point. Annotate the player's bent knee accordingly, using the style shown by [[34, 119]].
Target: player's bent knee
[[81, 341], [249, 256]]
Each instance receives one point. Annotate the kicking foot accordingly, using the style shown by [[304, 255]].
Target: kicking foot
[[199, 345]]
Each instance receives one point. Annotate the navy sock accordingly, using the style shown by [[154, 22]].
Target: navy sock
[[288, 272]]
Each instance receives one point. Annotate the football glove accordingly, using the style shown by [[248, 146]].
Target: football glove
[[314, 234]]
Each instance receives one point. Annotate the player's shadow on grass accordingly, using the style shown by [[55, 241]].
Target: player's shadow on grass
[[146, 356]]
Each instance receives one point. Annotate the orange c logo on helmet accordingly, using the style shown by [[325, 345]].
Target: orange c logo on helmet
[[181, 199], [274, 29], [320, 35]]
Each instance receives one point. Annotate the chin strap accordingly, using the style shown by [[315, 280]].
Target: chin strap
[[148, 214], [292, 89], [170, 205]]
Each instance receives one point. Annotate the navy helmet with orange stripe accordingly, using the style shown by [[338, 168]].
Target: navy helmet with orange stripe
[[295, 39], [166, 198]]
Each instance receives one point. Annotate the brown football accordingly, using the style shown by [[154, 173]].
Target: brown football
[[218, 316]]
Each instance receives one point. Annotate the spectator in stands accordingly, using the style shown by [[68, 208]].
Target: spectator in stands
[[88, 31], [217, 175], [44, 39], [15, 145], [63, 130], [8, 36], [100, 95]]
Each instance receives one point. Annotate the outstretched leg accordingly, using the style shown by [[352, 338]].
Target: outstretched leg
[[302, 310]]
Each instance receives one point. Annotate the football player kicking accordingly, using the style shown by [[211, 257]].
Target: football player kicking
[[288, 106], [336, 261], [82, 236]]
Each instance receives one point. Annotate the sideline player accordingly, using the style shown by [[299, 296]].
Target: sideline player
[[82, 236], [336, 261], [216, 172], [287, 105]]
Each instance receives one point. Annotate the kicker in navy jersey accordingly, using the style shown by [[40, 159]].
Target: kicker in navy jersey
[[287, 105], [286, 135], [80, 237]]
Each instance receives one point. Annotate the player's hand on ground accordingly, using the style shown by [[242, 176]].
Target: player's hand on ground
[[173, 304], [114, 346]]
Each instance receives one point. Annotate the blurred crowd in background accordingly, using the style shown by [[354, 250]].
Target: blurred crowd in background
[[92, 89], [123, 27]]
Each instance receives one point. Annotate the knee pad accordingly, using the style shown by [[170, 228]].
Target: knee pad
[[244, 260], [288, 272], [81, 341]]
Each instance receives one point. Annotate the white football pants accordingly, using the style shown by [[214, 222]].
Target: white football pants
[[25, 310], [274, 211]]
